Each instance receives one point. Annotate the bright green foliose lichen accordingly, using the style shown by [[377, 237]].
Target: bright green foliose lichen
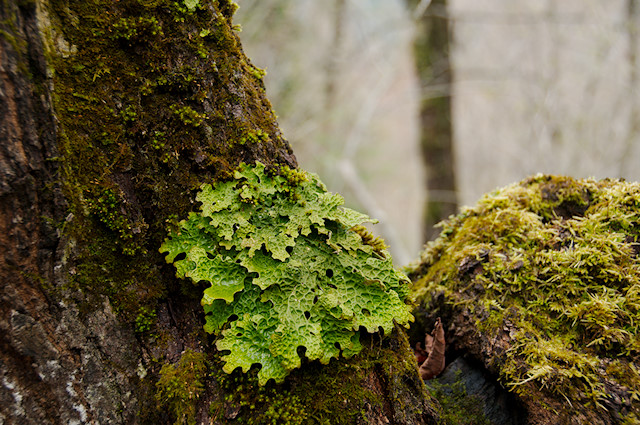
[[286, 271]]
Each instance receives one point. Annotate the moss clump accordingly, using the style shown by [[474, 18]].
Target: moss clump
[[247, 402], [253, 137], [180, 386], [458, 407], [552, 263], [187, 115], [145, 319], [348, 391], [106, 206], [132, 28]]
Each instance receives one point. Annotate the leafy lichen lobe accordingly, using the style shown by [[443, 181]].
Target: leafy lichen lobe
[[286, 271]]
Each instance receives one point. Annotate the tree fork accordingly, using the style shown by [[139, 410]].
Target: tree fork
[[111, 116]]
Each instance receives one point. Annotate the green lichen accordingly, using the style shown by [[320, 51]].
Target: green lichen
[[286, 272], [556, 260], [181, 385]]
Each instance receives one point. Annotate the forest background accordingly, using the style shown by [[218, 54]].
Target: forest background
[[534, 87]]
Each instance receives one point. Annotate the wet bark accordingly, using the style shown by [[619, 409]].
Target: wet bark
[[108, 124]]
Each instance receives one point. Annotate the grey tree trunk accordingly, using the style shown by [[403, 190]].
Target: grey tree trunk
[[431, 52], [112, 113]]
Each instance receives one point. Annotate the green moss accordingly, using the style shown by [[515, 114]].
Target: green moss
[[187, 115], [347, 391], [135, 28], [228, 7], [257, 72], [630, 418], [249, 403], [107, 208], [147, 109], [15, 42], [181, 385], [292, 176], [145, 320], [377, 243], [458, 407], [129, 284], [555, 259], [252, 137]]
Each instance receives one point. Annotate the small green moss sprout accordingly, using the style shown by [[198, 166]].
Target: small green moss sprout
[[145, 319], [181, 385], [106, 206], [187, 115], [134, 27]]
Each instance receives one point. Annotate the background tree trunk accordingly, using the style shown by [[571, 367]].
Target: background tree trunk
[[431, 52], [112, 113]]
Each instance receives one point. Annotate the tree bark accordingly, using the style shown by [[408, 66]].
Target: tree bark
[[633, 19], [112, 113]]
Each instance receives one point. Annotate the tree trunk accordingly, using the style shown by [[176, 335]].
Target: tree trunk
[[431, 52], [112, 115], [633, 20]]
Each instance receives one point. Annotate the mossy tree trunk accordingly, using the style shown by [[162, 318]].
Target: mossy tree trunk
[[431, 53], [112, 113], [538, 287]]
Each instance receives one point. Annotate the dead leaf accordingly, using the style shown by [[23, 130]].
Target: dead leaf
[[420, 353], [434, 365]]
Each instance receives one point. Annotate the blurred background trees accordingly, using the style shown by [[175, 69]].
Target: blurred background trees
[[433, 66], [524, 87], [341, 78]]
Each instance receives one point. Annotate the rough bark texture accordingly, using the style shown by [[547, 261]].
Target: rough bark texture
[[431, 52], [112, 113]]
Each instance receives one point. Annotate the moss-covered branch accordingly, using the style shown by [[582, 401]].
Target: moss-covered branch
[[540, 282]]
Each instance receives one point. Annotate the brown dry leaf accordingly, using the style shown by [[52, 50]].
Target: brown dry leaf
[[434, 364], [428, 343], [420, 353]]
